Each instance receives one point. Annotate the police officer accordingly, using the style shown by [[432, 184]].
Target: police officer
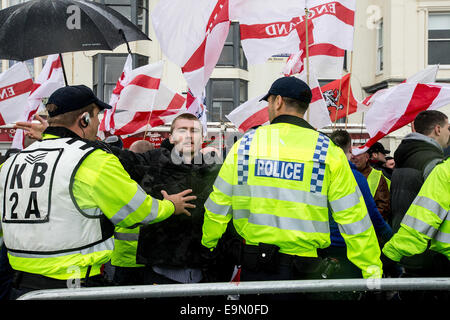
[[63, 195], [425, 227], [277, 183]]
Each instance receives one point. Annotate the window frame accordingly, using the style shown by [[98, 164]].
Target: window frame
[[133, 4], [428, 40], [236, 99], [238, 52], [380, 48], [98, 67]]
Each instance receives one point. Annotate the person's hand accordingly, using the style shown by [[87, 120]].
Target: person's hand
[[33, 130], [180, 201]]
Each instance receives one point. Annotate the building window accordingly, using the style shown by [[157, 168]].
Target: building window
[[134, 10], [439, 38], [107, 69], [223, 95], [380, 47], [232, 53]]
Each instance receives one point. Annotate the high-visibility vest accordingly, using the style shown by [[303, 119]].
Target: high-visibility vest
[[277, 183], [89, 190], [125, 248], [427, 219], [373, 180]]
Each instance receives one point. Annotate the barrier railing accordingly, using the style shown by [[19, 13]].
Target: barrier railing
[[241, 288]]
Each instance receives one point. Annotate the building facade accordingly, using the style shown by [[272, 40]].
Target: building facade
[[393, 40]]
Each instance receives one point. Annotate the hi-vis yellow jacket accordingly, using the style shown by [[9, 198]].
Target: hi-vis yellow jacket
[[100, 187], [426, 219], [374, 180], [277, 183]]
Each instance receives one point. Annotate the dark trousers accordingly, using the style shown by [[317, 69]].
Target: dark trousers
[[124, 276], [6, 274], [25, 282]]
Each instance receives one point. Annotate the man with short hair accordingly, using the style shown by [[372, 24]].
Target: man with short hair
[[378, 184], [64, 195], [415, 158], [277, 184], [141, 146], [172, 252], [377, 158]]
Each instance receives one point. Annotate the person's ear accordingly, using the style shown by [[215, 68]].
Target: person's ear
[[171, 138]]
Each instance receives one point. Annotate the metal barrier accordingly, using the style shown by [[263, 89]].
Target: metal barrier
[[220, 288]]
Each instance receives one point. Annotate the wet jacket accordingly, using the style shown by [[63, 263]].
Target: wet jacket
[[177, 242], [415, 157]]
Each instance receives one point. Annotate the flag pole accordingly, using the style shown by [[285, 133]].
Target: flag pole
[[148, 123], [307, 54], [338, 102], [349, 86]]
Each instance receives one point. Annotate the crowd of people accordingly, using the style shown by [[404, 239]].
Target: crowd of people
[[287, 202]]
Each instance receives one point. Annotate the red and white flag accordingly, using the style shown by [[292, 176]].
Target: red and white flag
[[294, 64], [250, 114], [107, 124], [399, 106], [317, 114], [427, 75], [255, 113], [50, 79], [279, 27], [136, 101], [339, 98], [15, 87], [192, 34]]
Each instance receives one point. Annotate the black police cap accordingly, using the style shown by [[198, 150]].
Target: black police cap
[[71, 98], [290, 87]]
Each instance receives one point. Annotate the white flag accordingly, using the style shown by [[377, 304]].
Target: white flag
[[50, 79], [15, 87], [250, 114], [192, 34]]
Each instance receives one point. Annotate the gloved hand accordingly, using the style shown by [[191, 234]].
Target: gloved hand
[[390, 267]]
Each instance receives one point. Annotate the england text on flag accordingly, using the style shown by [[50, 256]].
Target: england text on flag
[[192, 34], [280, 27], [15, 87]]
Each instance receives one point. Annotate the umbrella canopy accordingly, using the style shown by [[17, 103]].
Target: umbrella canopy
[[41, 27]]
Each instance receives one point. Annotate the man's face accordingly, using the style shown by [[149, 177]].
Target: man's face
[[187, 136], [360, 161], [92, 128], [379, 156], [444, 137], [272, 104]]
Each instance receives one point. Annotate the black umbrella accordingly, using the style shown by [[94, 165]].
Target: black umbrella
[[41, 27]]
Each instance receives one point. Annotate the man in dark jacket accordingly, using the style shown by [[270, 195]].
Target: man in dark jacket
[[172, 252], [416, 156]]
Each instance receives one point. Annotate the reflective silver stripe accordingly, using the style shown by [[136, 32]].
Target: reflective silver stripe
[[153, 212], [223, 186], [431, 205], [130, 207], [126, 236], [356, 227], [419, 226], [105, 245], [346, 202], [443, 237], [217, 208], [283, 223], [298, 196], [93, 212]]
